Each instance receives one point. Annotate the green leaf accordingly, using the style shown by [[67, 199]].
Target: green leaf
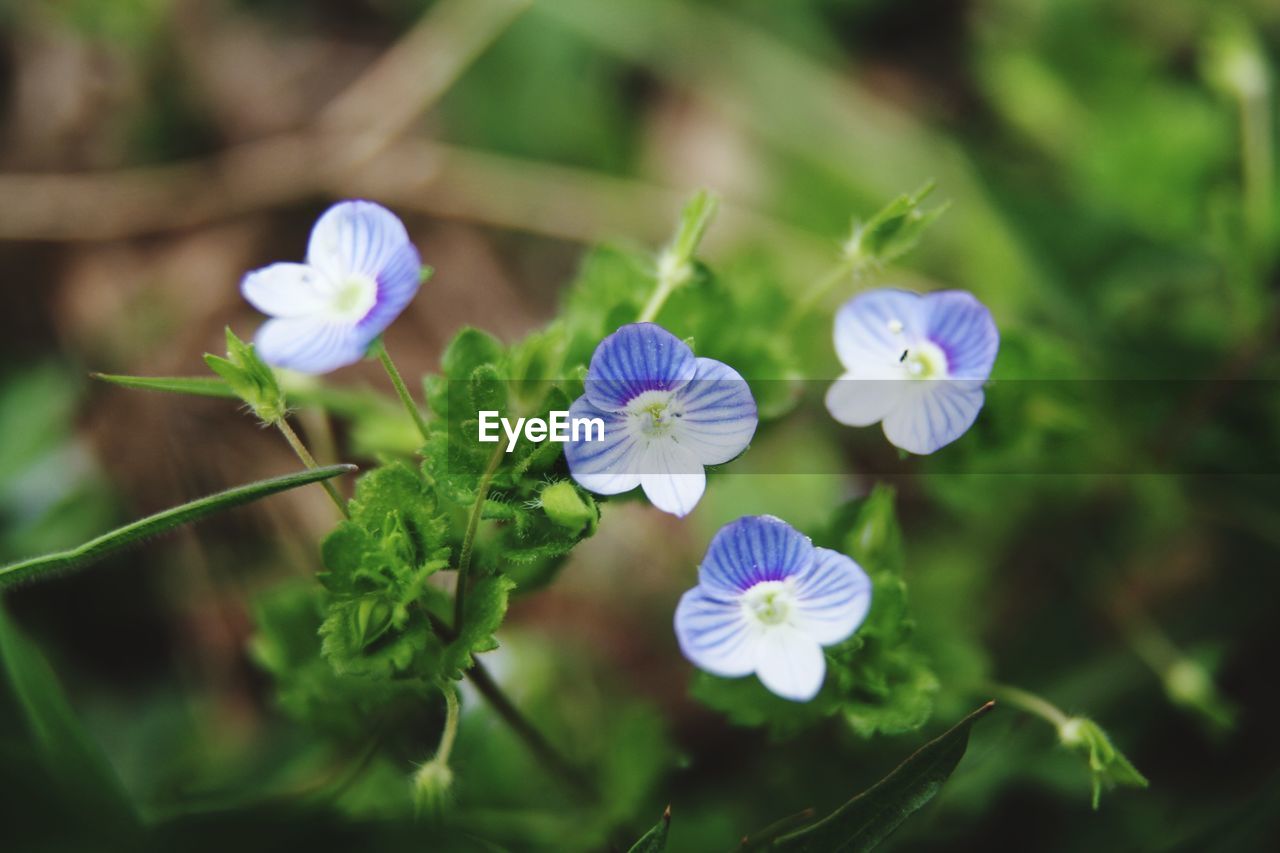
[[470, 349], [200, 386], [894, 230], [122, 537], [486, 607], [694, 219], [873, 815], [71, 754], [655, 840]]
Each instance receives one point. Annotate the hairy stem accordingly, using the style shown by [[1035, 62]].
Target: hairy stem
[[307, 459], [469, 536], [450, 733], [380, 350]]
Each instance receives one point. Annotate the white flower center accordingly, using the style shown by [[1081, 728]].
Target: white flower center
[[769, 602], [352, 297], [924, 360], [653, 414]]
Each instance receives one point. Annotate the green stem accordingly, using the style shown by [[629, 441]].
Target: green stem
[[450, 734], [852, 264], [670, 277], [1031, 703], [380, 350], [469, 537], [307, 459]]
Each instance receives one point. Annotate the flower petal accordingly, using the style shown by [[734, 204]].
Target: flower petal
[[752, 549], [832, 597], [933, 414], [357, 237], [286, 290], [874, 328], [715, 634], [607, 467], [790, 663], [858, 400], [964, 329], [637, 358], [398, 283], [308, 344], [717, 414], [672, 477]]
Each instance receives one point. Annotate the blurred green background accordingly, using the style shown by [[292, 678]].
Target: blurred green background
[[1110, 171]]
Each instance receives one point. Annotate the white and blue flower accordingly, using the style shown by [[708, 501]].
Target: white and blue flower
[[914, 363], [666, 415], [361, 272], [766, 602]]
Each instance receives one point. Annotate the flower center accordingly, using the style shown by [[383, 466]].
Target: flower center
[[769, 602], [353, 297], [924, 360], [653, 414]]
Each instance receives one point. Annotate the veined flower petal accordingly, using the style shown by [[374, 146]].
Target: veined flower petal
[[874, 328], [286, 290], [753, 549], [637, 358], [963, 328], [309, 344], [832, 597], [935, 413], [671, 476], [718, 414], [790, 663], [715, 635], [356, 237], [610, 466]]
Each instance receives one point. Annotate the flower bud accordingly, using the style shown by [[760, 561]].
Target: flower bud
[[568, 507]]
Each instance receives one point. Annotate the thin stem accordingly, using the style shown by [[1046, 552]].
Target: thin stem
[[307, 459], [851, 264], [380, 350], [670, 277], [1031, 703], [469, 537], [533, 739], [450, 734], [1256, 156]]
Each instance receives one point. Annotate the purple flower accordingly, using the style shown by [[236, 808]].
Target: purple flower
[[915, 363], [666, 414], [767, 601], [361, 272]]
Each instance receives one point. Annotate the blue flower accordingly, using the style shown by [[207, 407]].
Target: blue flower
[[361, 272], [767, 601], [666, 414], [916, 363]]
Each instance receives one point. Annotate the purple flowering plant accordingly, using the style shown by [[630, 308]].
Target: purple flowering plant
[[448, 528]]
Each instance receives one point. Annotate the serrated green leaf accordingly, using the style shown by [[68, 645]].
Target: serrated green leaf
[[486, 607], [655, 840], [468, 350], [122, 537], [870, 817]]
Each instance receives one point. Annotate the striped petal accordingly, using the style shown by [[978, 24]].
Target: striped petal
[[309, 345], [637, 358], [832, 597], [715, 634], [933, 414], [672, 477], [607, 467], [753, 549], [874, 328], [286, 290], [356, 238], [790, 663], [716, 413], [963, 328]]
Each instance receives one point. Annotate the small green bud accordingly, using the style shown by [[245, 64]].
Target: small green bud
[[1189, 685], [1107, 765], [432, 788], [252, 380], [893, 231], [370, 619], [566, 505]]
